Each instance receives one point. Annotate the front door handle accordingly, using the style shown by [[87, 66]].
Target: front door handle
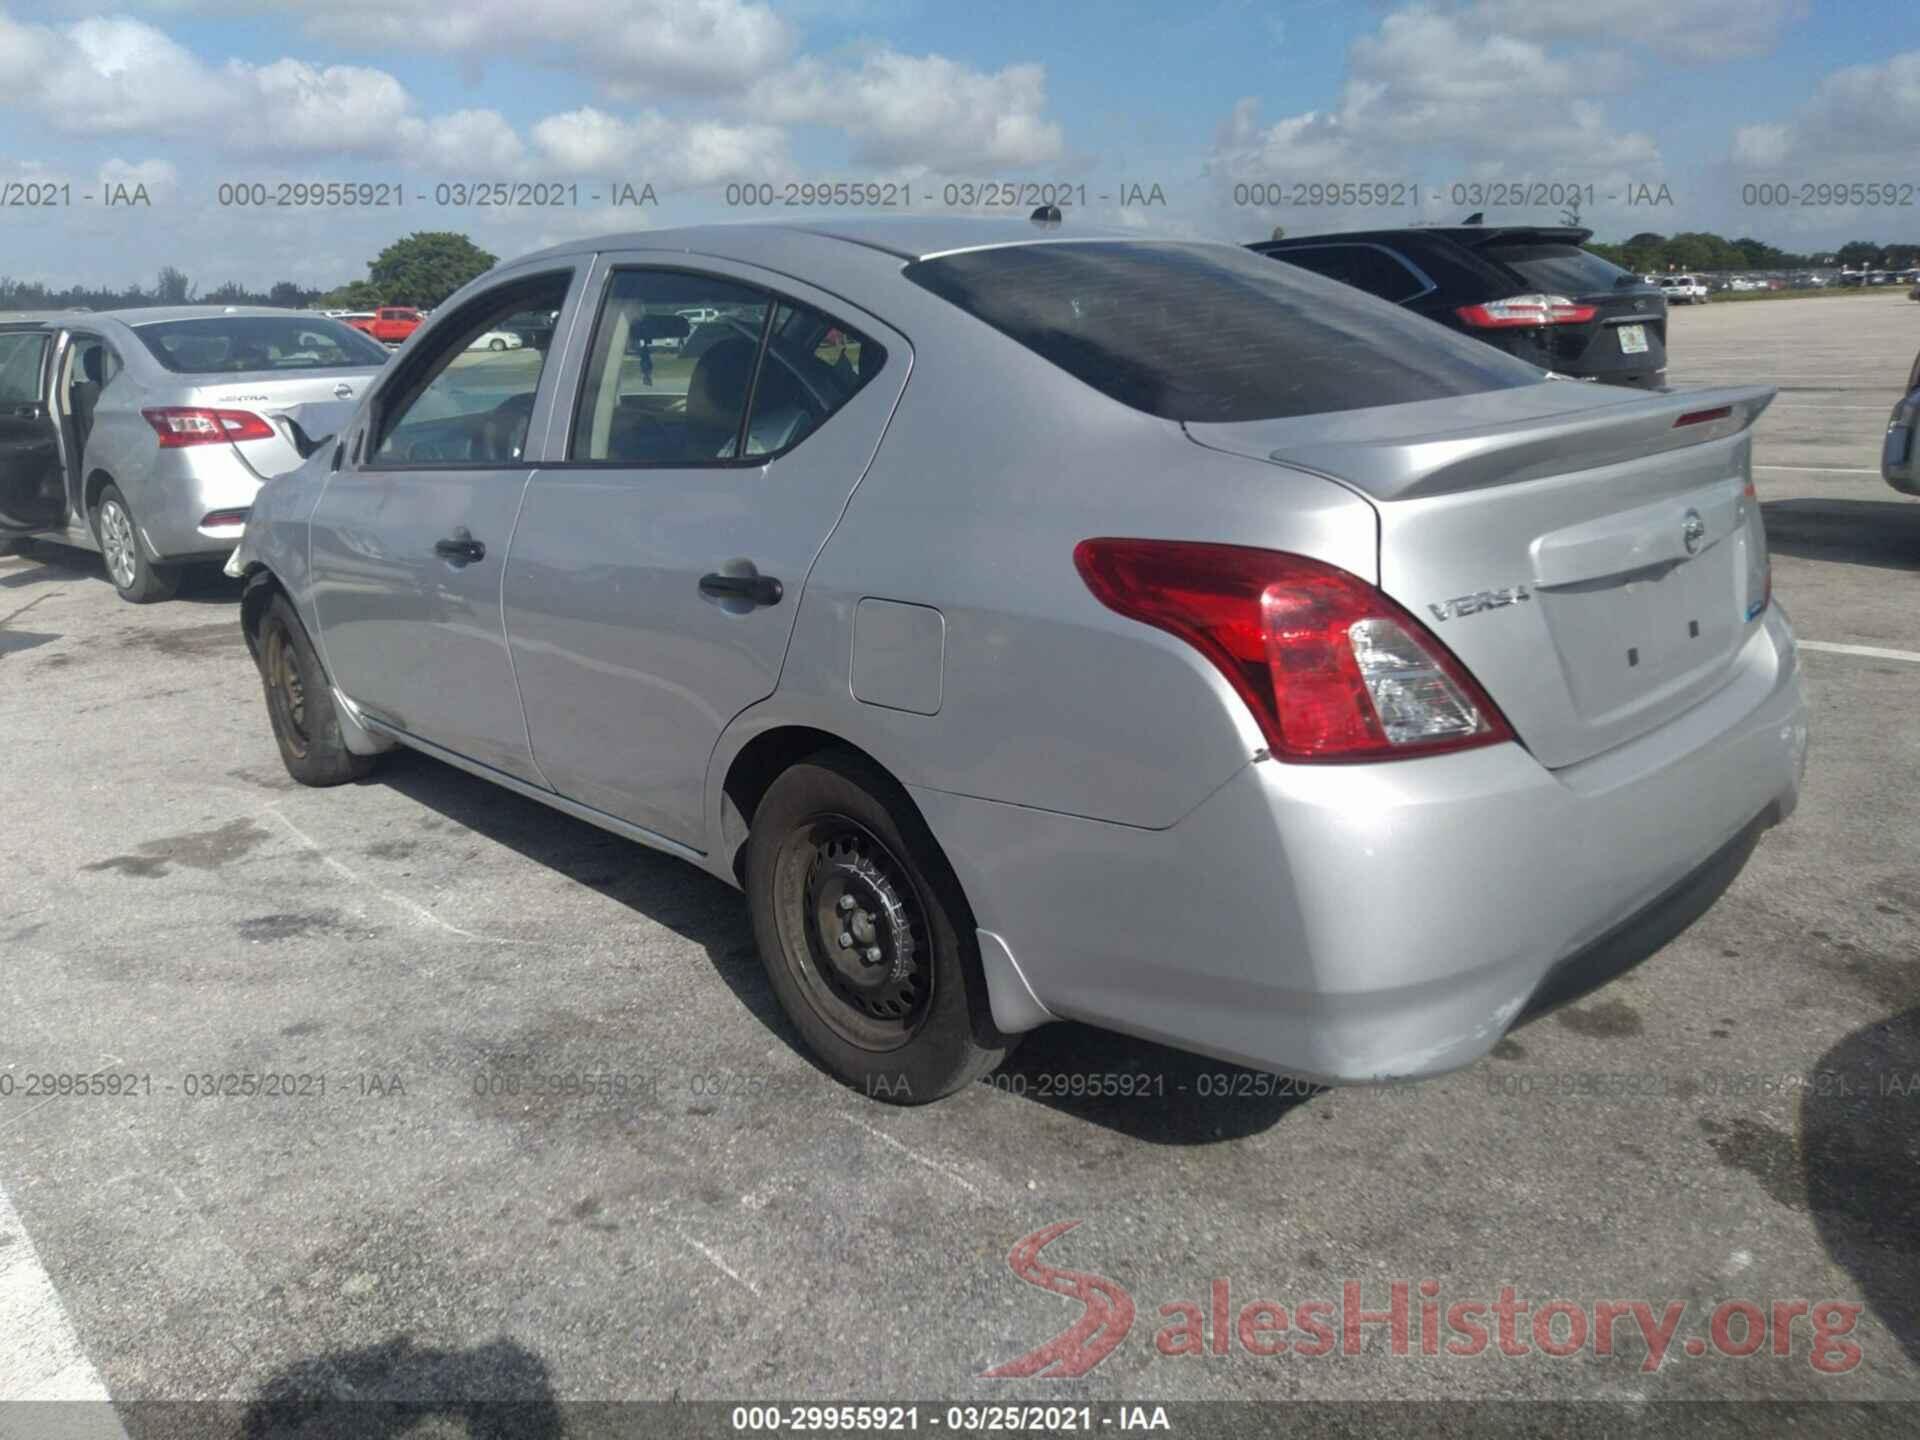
[[760, 589], [460, 547]]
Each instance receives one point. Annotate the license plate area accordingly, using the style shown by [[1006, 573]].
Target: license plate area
[[1633, 339]]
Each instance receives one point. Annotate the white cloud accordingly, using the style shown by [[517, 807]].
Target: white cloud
[[1695, 31], [636, 48], [649, 146], [1429, 88], [923, 112], [1859, 119]]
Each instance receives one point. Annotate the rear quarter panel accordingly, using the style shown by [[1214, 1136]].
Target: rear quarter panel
[[995, 466]]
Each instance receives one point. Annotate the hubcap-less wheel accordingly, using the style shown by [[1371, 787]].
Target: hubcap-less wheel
[[117, 542], [853, 932], [284, 689]]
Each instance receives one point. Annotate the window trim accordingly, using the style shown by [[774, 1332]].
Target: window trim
[[373, 434], [1280, 253], [775, 299]]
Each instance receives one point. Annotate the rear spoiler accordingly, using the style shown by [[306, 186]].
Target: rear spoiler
[[1521, 235], [1427, 458]]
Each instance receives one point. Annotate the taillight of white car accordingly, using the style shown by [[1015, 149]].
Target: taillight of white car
[[1519, 310], [1332, 669], [181, 426]]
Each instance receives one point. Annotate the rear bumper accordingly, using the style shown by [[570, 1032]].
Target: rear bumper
[[182, 489], [1351, 924]]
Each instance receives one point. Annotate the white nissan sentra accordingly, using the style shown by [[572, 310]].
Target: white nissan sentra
[[1039, 624]]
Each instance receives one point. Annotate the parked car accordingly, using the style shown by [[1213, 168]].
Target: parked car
[[497, 340], [144, 434], [1528, 290], [1899, 462], [390, 324], [1161, 637], [1742, 283], [1683, 289]]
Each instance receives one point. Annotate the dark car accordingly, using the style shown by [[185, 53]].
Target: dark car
[[1529, 290]]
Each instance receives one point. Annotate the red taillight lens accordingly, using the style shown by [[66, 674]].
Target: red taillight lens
[[1518, 310], [1704, 417], [179, 427], [1332, 668]]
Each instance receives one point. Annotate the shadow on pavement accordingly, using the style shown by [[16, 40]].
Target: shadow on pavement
[[1860, 1151], [1856, 532], [1147, 1091], [50, 564]]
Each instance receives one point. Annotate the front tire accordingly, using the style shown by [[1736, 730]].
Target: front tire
[[496, 345], [867, 939], [300, 703], [139, 578]]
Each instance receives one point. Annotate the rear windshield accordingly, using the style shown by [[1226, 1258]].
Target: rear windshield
[[1213, 333], [1562, 269], [222, 344]]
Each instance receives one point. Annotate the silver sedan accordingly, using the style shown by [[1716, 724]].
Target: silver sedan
[[143, 434], [1043, 625]]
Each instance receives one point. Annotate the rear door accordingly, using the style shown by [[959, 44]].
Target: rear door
[[410, 536], [659, 561], [32, 490], [1593, 556]]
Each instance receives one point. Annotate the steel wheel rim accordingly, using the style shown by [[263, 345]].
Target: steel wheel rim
[[116, 541], [286, 693], [875, 990]]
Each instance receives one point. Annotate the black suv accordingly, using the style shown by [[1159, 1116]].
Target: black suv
[[1528, 289]]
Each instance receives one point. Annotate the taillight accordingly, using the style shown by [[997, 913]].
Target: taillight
[[1518, 310], [1332, 668], [179, 427]]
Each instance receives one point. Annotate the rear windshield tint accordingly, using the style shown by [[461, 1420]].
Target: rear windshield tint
[[1212, 333], [228, 344], [1561, 269]]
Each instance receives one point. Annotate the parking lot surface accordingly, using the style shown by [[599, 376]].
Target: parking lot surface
[[537, 1128]]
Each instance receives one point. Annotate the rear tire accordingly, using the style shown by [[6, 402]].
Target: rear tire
[[496, 344], [300, 703], [140, 579], [867, 939]]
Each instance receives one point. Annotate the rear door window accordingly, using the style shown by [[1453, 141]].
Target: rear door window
[[1213, 333], [1372, 268]]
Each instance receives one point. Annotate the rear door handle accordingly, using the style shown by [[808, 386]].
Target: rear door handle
[[460, 547], [760, 589]]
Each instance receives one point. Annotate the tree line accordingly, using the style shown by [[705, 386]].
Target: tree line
[[1649, 252], [422, 269]]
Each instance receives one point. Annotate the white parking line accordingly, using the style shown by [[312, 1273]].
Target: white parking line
[[40, 1355], [1872, 652], [1818, 469]]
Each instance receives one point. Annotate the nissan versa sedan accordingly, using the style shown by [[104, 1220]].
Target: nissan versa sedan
[[143, 434], [1043, 625]]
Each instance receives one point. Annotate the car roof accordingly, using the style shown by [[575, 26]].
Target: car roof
[[140, 314], [1471, 236], [915, 237]]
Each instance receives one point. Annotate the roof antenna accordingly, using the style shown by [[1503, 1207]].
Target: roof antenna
[[1476, 218], [1047, 216]]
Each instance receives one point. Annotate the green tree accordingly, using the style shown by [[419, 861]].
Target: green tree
[[427, 267], [172, 287], [354, 295], [288, 295], [1859, 254]]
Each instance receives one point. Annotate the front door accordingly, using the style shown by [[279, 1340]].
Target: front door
[[32, 479], [718, 421], [411, 533]]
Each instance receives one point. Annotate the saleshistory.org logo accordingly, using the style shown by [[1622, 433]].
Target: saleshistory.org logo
[[1415, 1314]]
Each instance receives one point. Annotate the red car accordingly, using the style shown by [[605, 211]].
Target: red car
[[390, 324]]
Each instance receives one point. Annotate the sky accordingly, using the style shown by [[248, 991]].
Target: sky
[[1736, 116]]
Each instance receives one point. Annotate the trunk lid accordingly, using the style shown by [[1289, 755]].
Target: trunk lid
[[1592, 555], [304, 408]]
